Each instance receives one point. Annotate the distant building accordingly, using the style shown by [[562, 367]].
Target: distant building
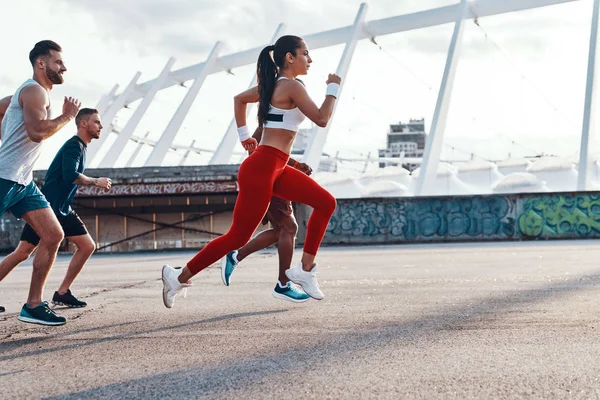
[[409, 138]]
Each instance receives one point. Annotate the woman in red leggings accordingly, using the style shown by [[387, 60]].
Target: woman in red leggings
[[283, 105]]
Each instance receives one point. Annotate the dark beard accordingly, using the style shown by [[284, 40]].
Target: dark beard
[[54, 77]]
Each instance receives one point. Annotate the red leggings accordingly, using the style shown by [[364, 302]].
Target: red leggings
[[264, 174]]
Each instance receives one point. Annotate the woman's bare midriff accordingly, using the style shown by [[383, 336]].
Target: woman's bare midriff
[[281, 139]]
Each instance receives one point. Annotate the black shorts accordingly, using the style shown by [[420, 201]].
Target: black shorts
[[71, 224]]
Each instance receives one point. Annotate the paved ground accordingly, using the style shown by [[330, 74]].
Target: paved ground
[[502, 320]]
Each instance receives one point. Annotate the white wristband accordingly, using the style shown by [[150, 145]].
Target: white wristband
[[333, 89], [243, 133]]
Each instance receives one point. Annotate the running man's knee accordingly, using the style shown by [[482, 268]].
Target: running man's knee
[[21, 254], [46, 226], [89, 249], [276, 229], [289, 227], [86, 246], [52, 236]]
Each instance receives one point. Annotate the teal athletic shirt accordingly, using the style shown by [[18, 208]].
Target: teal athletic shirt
[[59, 188]]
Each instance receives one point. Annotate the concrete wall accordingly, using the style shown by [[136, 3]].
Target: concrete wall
[[118, 233], [128, 217], [10, 232], [461, 218], [367, 221]]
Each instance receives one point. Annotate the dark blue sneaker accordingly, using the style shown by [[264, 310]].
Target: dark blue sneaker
[[2, 309], [228, 264], [41, 314], [68, 300], [290, 292]]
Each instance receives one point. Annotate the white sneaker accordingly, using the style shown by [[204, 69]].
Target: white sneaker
[[308, 280], [171, 285]]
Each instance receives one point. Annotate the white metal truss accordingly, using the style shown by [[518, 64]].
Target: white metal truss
[[223, 152], [590, 100], [165, 141], [187, 153], [359, 30], [137, 150], [401, 23], [115, 150], [109, 115], [315, 147], [433, 146], [106, 99]]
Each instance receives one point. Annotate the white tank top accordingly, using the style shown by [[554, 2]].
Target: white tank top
[[18, 153], [281, 118]]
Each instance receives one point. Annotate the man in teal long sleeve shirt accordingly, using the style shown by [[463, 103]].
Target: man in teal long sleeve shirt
[[63, 177]]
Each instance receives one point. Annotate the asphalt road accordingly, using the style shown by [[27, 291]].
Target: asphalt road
[[500, 320]]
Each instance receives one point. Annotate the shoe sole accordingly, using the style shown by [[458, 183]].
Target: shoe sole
[[58, 303], [298, 282], [166, 303], [223, 267], [286, 298], [39, 322]]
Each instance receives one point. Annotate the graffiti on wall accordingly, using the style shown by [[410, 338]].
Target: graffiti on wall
[[140, 189], [552, 216], [414, 219]]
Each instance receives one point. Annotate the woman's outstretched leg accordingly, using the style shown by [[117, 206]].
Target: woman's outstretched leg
[[295, 186], [255, 179]]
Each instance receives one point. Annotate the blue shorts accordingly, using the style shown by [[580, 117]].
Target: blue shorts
[[20, 199]]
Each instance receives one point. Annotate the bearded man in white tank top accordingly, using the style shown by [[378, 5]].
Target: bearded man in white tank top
[[25, 125]]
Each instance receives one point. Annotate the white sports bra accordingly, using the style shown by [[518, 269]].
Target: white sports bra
[[280, 118]]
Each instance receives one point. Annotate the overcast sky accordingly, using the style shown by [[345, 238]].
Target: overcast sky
[[521, 76]]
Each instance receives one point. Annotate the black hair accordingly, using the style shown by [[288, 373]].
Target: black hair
[[83, 113], [43, 49]]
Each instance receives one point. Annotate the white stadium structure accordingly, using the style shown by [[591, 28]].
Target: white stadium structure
[[433, 177]]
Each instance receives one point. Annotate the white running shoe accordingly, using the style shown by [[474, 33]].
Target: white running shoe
[[308, 280], [171, 285]]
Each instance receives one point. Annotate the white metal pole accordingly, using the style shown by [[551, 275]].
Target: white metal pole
[[108, 116], [164, 143], [187, 153], [435, 139], [106, 99], [590, 100], [136, 152], [315, 147], [223, 153], [113, 154]]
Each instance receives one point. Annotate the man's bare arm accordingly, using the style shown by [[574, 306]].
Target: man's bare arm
[[83, 180], [34, 100], [4, 103], [258, 134]]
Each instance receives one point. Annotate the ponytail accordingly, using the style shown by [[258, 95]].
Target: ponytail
[[266, 70]]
